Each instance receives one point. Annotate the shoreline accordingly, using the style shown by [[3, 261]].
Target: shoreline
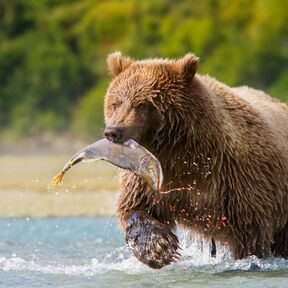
[[19, 204], [90, 189]]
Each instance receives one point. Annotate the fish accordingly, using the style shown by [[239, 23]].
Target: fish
[[128, 155]]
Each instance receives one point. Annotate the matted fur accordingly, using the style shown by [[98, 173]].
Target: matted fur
[[225, 147]]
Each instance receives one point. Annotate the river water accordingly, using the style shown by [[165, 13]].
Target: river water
[[90, 252]]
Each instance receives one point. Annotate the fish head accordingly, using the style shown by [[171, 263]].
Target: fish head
[[150, 170]]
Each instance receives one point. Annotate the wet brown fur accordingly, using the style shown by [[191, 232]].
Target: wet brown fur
[[227, 146]]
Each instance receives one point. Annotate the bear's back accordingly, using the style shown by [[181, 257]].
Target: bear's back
[[272, 111]]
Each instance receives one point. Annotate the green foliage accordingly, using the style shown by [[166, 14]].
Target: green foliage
[[53, 72], [279, 88], [88, 115]]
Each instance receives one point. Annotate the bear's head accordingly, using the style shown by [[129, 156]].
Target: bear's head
[[145, 95]]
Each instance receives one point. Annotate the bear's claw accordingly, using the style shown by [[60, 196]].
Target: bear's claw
[[151, 242]]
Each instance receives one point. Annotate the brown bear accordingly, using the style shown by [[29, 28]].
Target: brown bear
[[224, 154]]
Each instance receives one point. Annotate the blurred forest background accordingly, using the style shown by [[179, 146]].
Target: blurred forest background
[[53, 78], [53, 73]]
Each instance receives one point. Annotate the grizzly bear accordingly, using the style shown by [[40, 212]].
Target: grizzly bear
[[224, 154]]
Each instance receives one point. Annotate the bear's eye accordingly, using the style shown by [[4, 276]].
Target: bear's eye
[[116, 105], [140, 106]]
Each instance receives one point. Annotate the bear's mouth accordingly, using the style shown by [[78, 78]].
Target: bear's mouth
[[119, 135]]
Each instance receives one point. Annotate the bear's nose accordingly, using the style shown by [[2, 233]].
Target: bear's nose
[[114, 134]]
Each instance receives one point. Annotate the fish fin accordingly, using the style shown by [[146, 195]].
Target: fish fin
[[56, 180]]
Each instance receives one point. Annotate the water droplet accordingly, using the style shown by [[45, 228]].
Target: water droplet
[[132, 146]]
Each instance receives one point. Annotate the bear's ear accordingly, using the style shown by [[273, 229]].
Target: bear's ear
[[117, 63], [187, 65]]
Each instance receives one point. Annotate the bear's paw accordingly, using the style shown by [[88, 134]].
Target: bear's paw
[[151, 242]]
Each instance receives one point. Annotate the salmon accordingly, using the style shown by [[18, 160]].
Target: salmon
[[128, 155]]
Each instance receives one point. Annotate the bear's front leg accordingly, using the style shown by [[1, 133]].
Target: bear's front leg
[[152, 242]]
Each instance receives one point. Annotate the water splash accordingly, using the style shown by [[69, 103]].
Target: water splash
[[195, 258], [196, 251]]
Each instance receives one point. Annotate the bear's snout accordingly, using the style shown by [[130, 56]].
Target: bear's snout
[[114, 134]]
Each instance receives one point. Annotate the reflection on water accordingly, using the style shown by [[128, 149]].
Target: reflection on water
[[90, 252]]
